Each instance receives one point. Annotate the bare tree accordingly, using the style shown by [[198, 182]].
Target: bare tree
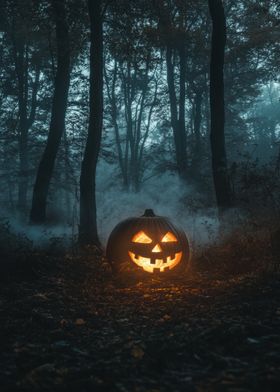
[[22, 69], [88, 226], [175, 47], [217, 107], [57, 125]]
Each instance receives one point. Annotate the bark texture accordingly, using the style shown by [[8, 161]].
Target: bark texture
[[22, 69], [217, 107], [177, 112], [88, 225]]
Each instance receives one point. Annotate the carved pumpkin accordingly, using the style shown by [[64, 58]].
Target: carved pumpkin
[[150, 243]]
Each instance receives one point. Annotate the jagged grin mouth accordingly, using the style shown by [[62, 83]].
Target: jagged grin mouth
[[150, 265]]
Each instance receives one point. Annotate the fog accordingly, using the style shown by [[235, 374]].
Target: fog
[[166, 194]]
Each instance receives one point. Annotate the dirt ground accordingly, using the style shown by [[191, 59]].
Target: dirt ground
[[69, 324]]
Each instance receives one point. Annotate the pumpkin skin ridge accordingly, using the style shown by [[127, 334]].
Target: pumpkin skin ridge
[[120, 242]]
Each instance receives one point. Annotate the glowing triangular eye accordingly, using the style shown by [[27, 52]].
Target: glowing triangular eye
[[142, 238], [169, 237]]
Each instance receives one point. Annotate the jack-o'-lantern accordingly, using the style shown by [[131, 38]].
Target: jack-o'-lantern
[[150, 243]]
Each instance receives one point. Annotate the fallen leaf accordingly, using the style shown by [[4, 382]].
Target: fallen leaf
[[137, 352], [80, 321], [63, 322]]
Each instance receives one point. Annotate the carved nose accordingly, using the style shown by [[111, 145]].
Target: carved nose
[[157, 249]]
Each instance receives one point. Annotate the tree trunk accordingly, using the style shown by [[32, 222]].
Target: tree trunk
[[57, 125], [178, 125], [197, 118], [114, 118], [138, 126], [21, 65], [217, 136], [182, 118], [67, 178], [88, 225], [22, 62], [177, 109]]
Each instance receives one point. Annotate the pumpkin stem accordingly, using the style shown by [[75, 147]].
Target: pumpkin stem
[[149, 212]]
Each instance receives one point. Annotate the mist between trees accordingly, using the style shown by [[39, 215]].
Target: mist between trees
[[150, 70]]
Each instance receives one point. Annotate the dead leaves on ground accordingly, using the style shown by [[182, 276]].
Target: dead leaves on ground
[[67, 331]]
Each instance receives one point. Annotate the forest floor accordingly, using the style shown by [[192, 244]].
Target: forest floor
[[68, 324]]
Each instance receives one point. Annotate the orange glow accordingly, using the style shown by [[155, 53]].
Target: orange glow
[[157, 249], [141, 238], [169, 237], [160, 264]]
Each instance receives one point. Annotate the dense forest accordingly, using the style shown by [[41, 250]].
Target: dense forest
[[140, 104], [109, 108]]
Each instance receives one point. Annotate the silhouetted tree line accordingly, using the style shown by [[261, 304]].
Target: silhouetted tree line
[[147, 85]]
